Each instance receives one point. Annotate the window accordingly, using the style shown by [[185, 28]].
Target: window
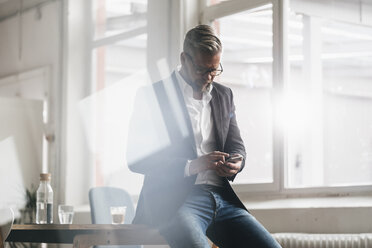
[[118, 69], [329, 130], [247, 60], [303, 92], [113, 17]]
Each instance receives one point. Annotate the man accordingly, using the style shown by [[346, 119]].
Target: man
[[183, 131]]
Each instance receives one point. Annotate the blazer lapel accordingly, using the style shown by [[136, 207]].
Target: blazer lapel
[[217, 117], [185, 112]]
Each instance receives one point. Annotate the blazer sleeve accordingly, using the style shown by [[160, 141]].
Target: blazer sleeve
[[150, 150], [234, 142]]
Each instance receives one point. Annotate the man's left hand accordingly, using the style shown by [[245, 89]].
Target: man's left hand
[[228, 169]]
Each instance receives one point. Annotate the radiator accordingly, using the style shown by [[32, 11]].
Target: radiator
[[304, 240]]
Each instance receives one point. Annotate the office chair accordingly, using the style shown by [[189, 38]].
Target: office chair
[[6, 225], [101, 199]]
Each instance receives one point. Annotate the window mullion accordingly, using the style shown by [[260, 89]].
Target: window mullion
[[119, 37], [280, 81], [229, 8]]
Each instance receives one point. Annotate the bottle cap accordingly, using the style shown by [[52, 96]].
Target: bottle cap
[[45, 176]]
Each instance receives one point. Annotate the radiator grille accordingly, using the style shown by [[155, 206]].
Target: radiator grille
[[302, 240]]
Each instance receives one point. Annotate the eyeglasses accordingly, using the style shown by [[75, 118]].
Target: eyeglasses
[[203, 72]]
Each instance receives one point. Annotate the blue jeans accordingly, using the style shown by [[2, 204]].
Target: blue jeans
[[209, 212]]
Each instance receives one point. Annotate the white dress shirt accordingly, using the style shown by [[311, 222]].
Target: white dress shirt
[[200, 113]]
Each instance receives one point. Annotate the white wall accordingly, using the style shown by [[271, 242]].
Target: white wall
[[316, 220], [29, 41], [312, 214], [55, 36], [20, 149]]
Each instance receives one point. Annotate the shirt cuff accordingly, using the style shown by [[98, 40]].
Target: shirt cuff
[[187, 168]]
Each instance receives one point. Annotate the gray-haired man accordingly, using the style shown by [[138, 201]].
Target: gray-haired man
[[181, 140]]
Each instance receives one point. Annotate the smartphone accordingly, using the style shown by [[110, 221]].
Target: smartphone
[[234, 158]]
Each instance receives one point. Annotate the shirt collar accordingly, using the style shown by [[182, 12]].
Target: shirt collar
[[188, 91]]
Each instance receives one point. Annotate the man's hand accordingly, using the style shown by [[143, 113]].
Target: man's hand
[[229, 169], [208, 161]]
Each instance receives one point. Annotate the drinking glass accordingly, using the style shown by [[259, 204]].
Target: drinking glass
[[118, 214], [65, 214]]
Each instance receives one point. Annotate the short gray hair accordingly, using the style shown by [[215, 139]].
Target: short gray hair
[[202, 38]]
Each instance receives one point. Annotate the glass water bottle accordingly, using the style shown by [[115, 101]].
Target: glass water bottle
[[44, 200]]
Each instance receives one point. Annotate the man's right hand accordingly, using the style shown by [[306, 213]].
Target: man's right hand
[[207, 161]]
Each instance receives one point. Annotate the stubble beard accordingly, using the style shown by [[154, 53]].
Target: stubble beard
[[201, 88], [207, 87]]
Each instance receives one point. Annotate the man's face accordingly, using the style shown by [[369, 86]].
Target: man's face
[[199, 69]]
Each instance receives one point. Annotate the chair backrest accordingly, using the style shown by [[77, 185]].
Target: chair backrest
[[6, 223], [102, 198]]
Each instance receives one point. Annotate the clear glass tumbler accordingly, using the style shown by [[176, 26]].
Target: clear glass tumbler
[[118, 214], [65, 214]]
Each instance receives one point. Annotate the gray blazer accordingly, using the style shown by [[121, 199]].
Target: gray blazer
[[161, 140]]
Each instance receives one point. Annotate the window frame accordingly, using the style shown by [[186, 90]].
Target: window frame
[[96, 44], [280, 82]]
